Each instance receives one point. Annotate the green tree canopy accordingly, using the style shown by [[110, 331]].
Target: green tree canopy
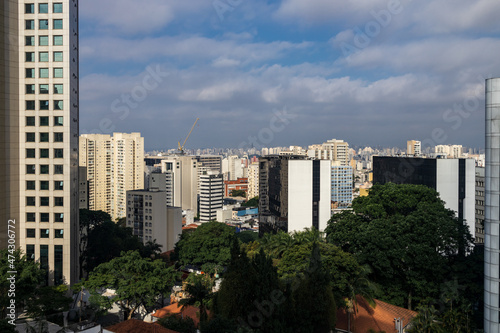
[[137, 281], [238, 193], [253, 202], [406, 235], [209, 243]]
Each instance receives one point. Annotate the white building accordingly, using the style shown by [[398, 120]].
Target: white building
[[253, 180], [450, 151], [413, 148], [183, 174], [211, 195], [333, 150]]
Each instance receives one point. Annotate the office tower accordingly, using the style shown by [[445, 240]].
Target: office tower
[[211, 195], [453, 179], [210, 162], [151, 219], [342, 182], [183, 171], [333, 150], [294, 193], [39, 132], [253, 180], [83, 188], [492, 209], [115, 164], [413, 148], [479, 235]]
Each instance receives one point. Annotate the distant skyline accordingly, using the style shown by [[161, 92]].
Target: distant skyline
[[291, 72]]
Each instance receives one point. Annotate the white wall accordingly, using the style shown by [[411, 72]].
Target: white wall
[[325, 194]]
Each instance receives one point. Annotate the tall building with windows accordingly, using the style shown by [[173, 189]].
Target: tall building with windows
[[115, 164], [413, 148], [342, 184], [333, 150], [211, 195], [39, 132]]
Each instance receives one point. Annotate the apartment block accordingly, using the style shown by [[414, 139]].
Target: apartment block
[[211, 195], [333, 150], [253, 180], [342, 185]]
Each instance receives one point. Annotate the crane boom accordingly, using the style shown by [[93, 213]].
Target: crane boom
[[181, 148]]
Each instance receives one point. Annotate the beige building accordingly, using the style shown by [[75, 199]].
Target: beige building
[[39, 133], [253, 180], [115, 164], [333, 150], [183, 180], [413, 148]]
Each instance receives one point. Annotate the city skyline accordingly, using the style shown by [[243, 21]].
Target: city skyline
[[384, 72]]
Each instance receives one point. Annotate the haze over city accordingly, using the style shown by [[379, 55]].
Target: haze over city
[[372, 73]]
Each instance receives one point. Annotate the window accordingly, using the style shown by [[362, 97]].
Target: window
[[58, 137], [30, 233], [30, 24], [58, 7], [58, 105], [58, 40], [44, 201], [30, 169], [44, 137], [58, 233], [30, 56], [44, 153], [44, 88], [58, 72], [30, 73], [30, 105], [43, 8], [30, 88], [58, 264], [30, 252], [58, 121], [44, 217], [58, 56], [29, 8], [44, 233], [44, 185], [30, 201], [58, 201], [43, 24], [43, 56], [58, 24], [44, 169], [44, 72], [43, 40], [44, 261], [30, 121], [29, 40], [44, 105], [30, 153], [58, 153], [30, 137], [58, 88], [58, 185], [58, 169], [44, 121], [30, 217], [30, 184], [58, 217]]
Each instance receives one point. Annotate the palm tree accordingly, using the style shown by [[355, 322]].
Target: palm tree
[[199, 294]]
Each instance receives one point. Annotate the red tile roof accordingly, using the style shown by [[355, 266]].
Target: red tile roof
[[135, 326], [380, 318], [189, 311]]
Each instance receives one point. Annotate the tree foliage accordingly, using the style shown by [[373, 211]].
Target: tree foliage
[[406, 235], [253, 202], [209, 243], [178, 324], [137, 281], [238, 193]]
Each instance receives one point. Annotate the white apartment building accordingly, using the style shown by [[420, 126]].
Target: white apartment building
[[39, 132], [333, 150], [211, 195], [183, 175], [413, 148], [253, 180], [450, 151], [115, 164]]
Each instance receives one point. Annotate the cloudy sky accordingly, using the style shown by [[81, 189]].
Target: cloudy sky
[[290, 72]]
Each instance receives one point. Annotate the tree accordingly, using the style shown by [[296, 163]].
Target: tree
[[238, 193], [406, 235], [199, 293], [209, 243], [137, 281], [48, 300], [253, 202]]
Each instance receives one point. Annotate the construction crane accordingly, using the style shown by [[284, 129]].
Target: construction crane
[[181, 147]]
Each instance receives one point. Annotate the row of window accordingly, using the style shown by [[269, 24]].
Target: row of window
[[44, 121], [44, 24], [44, 105], [44, 89], [45, 201], [43, 8], [44, 261], [57, 40], [44, 217], [43, 73], [44, 185], [57, 56], [44, 153], [44, 233], [44, 169], [44, 137]]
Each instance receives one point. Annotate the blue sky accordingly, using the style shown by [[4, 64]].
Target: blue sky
[[291, 72]]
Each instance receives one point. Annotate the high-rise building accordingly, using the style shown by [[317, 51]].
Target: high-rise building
[[479, 235], [492, 209], [39, 132], [333, 150], [451, 151], [342, 182], [294, 194], [211, 195], [183, 174], [253, 180], [413, 148], [115, 164]]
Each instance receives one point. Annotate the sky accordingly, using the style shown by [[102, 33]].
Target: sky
[[292, 72]]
